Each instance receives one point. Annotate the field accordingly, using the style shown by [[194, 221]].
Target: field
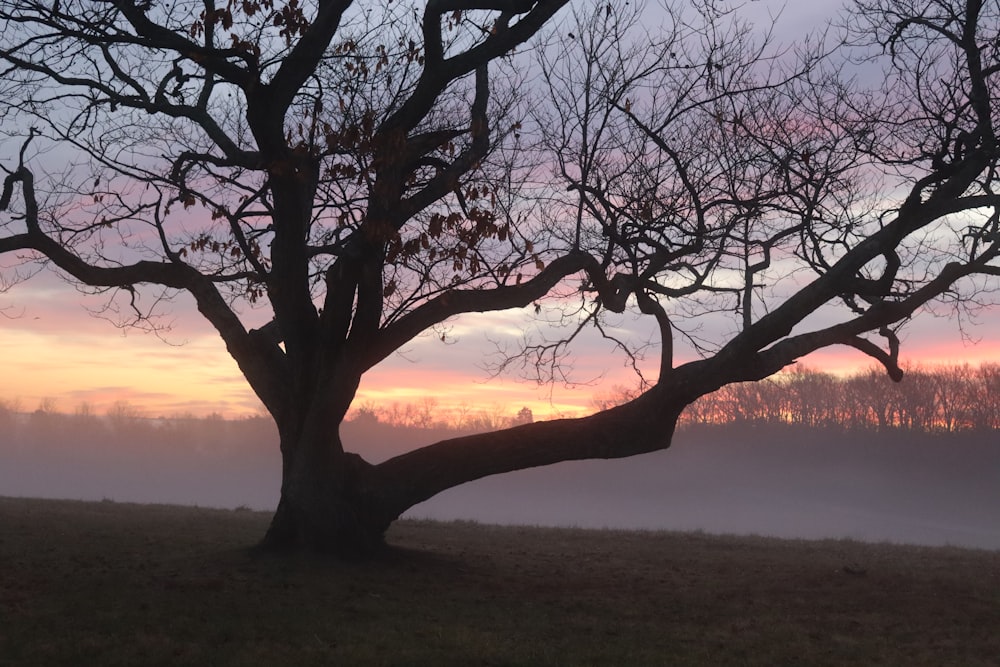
[[119, 584]]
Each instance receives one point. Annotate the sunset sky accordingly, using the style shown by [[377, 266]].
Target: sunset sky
[[52, 348]]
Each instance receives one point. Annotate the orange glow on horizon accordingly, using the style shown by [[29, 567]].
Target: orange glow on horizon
[[94, 366], [198, 378]]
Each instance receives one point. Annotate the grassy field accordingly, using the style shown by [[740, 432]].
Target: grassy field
[[117, 584]]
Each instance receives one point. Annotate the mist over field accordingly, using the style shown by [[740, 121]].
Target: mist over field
[[776, 480]]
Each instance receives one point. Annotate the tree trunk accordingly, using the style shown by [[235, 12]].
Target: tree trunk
[[336, 503], [327, 503]]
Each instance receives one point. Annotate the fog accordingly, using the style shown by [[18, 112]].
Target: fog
[[777, 480], [915, 490]]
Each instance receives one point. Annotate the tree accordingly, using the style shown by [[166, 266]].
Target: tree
[[714, 182], [364, 172]]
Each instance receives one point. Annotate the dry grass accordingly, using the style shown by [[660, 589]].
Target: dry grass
[[114, 584]]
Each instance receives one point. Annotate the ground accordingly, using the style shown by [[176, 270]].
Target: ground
[[109, 583]]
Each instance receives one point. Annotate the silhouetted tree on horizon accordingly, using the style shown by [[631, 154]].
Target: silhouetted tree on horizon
[[362, 172]]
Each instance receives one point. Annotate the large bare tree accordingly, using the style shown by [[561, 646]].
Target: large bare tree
[[364, 171]]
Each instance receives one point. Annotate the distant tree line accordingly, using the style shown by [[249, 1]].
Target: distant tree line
[[943, 398], [948, 398], [428, 414], [84, 428], [85, 432]]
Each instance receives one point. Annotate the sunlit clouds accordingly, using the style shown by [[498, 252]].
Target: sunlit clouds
[[72, 369]]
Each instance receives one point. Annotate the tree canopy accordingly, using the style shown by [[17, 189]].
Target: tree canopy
[[329, 180]]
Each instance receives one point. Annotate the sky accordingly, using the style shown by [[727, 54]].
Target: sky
[[52, 349]]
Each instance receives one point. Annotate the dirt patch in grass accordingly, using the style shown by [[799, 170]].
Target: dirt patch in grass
[[110, 584]]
